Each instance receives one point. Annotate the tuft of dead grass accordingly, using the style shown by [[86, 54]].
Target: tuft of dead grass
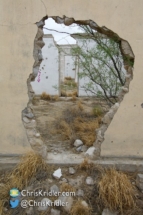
[[75, 93], [80, 106], [97, 111], [55, 98], [70, 83], [86, 165], [63, 93], [75, 122], [69, 94], [48, 97], [91, 168], [116, 191], [68, 87], [79, 209], [20, 176], [64, 129], [85, 129], [68, 78], [66, 94], [30, 163], [73, 98], [45, 96], [65, 187]]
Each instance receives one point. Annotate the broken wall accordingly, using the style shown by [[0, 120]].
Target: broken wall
[[18, 29]]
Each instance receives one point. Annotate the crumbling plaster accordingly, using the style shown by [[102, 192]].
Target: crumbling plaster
[[17, 35]]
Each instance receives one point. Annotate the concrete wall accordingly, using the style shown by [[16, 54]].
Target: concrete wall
[[124, 137], [48, 75]]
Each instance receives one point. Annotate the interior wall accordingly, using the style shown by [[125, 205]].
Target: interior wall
[[18, 29]]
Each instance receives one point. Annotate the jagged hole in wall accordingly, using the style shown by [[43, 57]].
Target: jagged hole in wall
[[80, 75]]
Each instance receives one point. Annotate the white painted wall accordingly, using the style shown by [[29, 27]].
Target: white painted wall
[[85, 80], [67, 62], [70, 67], [59, 63], [48, 75]]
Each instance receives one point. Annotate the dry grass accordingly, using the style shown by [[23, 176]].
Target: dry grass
[[75, 93], [65, 187], [70, 83], [48, 97], [85, 130], [80, 106], [55, 98], [29, 165], [79, 209], [68, 87], [86, 165], [66, 94], [97, 110], [116, 191], [45, 96], [90, 168], [79, 124], [69, 94], [73, 98], [63, 93], [68, 78], [64, 129]]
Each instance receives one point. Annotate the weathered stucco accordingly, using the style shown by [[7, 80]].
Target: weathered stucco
[[124, 136]]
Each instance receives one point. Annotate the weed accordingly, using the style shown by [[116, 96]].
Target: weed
[[75, 93], [64, 128], [66, 94], [69, 87], [45, 96], [79, 209], [55, 98], [68, 78], [65, 187], [69, 94], [97, 111], [73, 98], [75, 122], [29, 165], [86, 165], [63, 93], [80, 106], [48, 97], [116, 191], [85, 129]]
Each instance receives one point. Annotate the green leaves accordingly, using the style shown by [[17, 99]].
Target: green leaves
[[101, 61]]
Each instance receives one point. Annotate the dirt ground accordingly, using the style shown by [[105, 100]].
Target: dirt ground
[[47, 113]]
